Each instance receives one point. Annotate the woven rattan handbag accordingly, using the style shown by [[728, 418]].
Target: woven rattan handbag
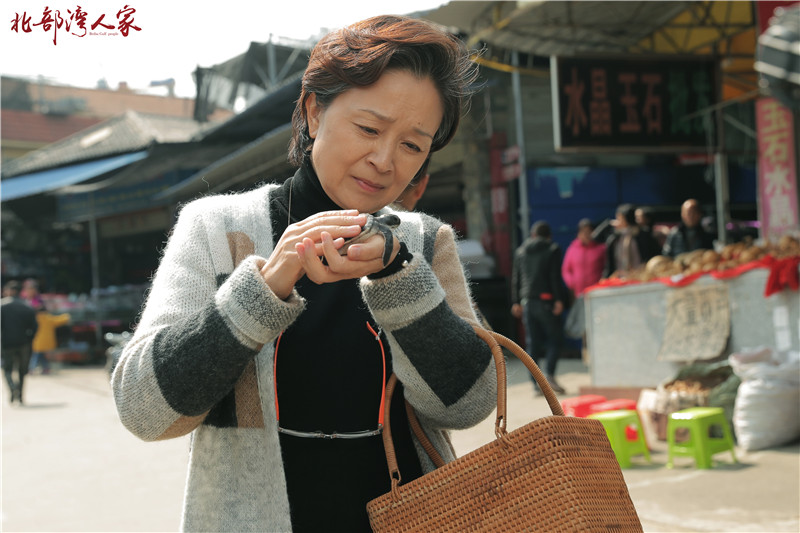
[[557, 473]]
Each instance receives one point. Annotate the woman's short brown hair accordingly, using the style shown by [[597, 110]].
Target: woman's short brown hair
[[357, 55]]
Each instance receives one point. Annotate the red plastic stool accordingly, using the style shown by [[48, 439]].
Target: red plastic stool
[[580, 406], [613, 405]]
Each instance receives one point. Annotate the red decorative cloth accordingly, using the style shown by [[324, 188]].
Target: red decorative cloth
[[765, 262], [783, 274]]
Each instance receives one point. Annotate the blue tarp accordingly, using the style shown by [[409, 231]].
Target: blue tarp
[[48, 180]]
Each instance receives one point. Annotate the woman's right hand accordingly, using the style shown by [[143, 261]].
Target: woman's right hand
[[283, 267]]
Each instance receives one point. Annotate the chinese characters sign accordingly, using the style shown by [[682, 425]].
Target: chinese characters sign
[[643, 104], [698, 323], [777, 177], [75, 22]]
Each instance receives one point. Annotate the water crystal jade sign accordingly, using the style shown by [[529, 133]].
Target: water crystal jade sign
[[650, 104]]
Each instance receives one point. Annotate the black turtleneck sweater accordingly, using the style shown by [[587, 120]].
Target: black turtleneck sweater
[[328, 374]]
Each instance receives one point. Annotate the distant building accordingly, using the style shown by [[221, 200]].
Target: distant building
[[35, 113], [24, 131]]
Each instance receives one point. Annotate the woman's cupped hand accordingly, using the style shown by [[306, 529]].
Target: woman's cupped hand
[[311, 246]]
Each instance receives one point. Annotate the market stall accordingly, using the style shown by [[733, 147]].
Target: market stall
[[641, 332], [111, 309]]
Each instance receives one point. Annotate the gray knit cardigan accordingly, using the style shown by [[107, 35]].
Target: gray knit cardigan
[[201, 358]]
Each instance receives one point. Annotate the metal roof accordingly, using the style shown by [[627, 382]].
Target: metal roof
[[574, 28], [265, 65], [571, 28], [556, 27], [161, 158], [260, 71], [256, 160], [122, 134], [49, 180], [273, 110]]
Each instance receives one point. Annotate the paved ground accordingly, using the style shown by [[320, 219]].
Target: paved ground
[[759, 494], [68, 465]]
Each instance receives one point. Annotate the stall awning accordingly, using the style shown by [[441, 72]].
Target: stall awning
[[50, 180], [256, 159]]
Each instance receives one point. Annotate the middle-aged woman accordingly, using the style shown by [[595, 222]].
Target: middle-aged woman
[[273, 348], [584, 260], [582, 267]]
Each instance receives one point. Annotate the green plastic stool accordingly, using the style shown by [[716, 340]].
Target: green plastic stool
[[624, 430], [701, 445]]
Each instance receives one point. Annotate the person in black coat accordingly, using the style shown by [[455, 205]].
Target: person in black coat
[[689, 235], [628, 247], [538, 294], [18, 322]]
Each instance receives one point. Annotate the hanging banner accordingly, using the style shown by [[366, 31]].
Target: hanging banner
[[765, 9], [646, 104], [777, 174], [504, 166]]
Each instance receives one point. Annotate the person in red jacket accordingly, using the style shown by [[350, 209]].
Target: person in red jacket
[[582, 267], [584, 260]]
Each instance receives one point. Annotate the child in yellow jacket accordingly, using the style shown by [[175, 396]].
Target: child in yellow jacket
[[45, 339]]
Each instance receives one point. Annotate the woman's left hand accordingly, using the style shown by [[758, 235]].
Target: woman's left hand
[[361, 260]]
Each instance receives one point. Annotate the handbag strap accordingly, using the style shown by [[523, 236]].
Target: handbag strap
[[495, 341], [423, 439], [541, 380]]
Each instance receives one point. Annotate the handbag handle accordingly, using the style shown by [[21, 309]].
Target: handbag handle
[[494, 340]]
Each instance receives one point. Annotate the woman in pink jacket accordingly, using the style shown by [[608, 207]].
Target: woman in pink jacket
[[584, 260], [582, 267]]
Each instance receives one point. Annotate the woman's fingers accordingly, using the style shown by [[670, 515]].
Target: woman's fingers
[[314, 232], [335, 267], [331, 219], [300, 247], [314, 243], [373, 248]]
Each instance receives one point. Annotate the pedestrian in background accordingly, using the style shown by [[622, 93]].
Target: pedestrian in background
[[30, 293], [584, 260], [646, 222], [628, 247], [411, 195], [407, 201], [583, 266], [17, 327], [538, 296], [45, 340], [689, 234], [272, 347]]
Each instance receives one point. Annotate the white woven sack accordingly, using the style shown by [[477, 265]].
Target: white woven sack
[[766, 412]]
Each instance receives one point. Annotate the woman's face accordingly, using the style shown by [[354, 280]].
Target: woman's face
[[370, 141], [585, 234]]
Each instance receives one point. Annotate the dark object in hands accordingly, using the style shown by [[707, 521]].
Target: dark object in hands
[[384, 225]]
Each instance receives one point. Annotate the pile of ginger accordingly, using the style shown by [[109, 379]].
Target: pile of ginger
[[731, 256]]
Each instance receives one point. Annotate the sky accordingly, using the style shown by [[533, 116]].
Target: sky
[[174, 36]]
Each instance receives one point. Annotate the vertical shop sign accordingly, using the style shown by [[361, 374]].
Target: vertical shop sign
[[502, 162], [777, 175], [512, 169], [765, 9], [646, 104]]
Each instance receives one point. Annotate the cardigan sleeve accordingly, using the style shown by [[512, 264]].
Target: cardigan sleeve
[[426, 310], [199, 330]]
